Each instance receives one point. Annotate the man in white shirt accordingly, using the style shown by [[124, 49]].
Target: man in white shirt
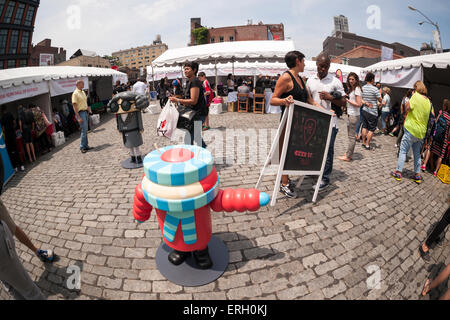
[[140, 88], [320, 87]]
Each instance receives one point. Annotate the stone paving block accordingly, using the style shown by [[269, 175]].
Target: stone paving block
[[109, 283], [244, 293], [333, 291], [314, 260], [115, 295], [319, 283], [84, 219], [165, 287], [235, 281]]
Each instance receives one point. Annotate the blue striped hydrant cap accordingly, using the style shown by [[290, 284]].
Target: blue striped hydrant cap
[[178, 165]]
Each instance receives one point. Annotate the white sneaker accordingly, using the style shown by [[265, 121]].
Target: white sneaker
[[16, 170], [22, 168]]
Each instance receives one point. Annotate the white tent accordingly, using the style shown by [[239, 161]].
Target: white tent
[[43, 83], [226, 52], [433, 69], [246, 69]]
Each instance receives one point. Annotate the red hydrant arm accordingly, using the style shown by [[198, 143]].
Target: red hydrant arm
[[239, 200], [141, 208]]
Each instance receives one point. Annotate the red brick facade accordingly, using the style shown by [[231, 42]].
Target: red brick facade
[[45, 46], [251, 32]]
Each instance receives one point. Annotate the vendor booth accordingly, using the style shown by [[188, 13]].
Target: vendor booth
[[18, 85], [243, 58], [47, 87], [402, 74]]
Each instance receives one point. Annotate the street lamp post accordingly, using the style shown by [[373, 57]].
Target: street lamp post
[[438, 38]]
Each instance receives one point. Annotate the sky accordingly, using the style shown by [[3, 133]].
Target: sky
[[105, 26]]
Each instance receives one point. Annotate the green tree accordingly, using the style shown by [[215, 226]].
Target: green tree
[[114, 60], [201, 35]]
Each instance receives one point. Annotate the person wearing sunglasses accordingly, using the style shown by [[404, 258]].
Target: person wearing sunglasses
[[128, 106]]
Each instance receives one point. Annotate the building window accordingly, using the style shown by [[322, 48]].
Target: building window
[[24, 42], [89, 65], [2, 5], [9, 12], [221, 39], [3, 39], [339, 46], [29, 17], [11, 64], [231, 38], [23, 63], [1, 62], [13, 42], [19, 13], [213, 40]]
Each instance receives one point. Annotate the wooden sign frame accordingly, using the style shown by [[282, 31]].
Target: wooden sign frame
[[286, 122]]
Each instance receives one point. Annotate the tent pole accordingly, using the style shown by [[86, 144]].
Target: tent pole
[[232, 62], [217, 78], [153, 79]]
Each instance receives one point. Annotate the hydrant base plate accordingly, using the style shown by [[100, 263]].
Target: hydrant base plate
[[188, 274]]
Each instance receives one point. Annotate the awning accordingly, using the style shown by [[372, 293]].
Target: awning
[[440, 61], [24, 76], [270, 51]]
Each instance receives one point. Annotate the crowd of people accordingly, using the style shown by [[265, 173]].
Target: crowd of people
[[28, 132]]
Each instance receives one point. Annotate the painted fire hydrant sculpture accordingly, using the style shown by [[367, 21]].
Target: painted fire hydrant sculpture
[[181, 183]]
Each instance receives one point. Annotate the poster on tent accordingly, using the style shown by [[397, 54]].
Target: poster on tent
[[123, 78], [23, 92], [403, 78], [8, 170], [65, 86]]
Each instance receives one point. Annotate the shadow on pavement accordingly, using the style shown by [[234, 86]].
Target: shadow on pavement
[[248, 249], [434, 271], [55, 281], [101, 147]]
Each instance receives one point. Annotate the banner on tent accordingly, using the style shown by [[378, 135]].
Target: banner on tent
[[64, 86], [122, 77], [7, 166], [22, 92], [403, 78]]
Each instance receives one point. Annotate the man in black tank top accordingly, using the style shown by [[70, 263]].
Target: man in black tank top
[[291, 87]]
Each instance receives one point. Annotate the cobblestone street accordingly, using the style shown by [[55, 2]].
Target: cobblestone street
[[80, 206]]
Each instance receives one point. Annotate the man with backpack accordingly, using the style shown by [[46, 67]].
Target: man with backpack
[[440, 138]]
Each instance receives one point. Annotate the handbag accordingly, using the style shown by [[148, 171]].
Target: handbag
[[186, 118]]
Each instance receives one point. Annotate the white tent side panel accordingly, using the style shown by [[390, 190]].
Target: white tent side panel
[[404, 78], [64, 86], [22, 92]]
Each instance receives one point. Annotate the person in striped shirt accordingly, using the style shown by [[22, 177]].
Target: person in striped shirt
[[371, 96]]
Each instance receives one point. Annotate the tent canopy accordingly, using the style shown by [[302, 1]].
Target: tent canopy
[[227, 51], [247, 69], [439, 61], [24, 76]]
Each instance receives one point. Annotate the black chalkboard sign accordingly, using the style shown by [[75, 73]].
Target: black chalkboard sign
[[308, 140]]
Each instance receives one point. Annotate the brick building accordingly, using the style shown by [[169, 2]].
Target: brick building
[[17, 20], [344, 42], [45, 48], [362, 56], [141, 57], [249, 32], [85, 58]]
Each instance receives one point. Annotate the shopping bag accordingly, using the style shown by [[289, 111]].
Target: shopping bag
[[444, 174], [167, 121]]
